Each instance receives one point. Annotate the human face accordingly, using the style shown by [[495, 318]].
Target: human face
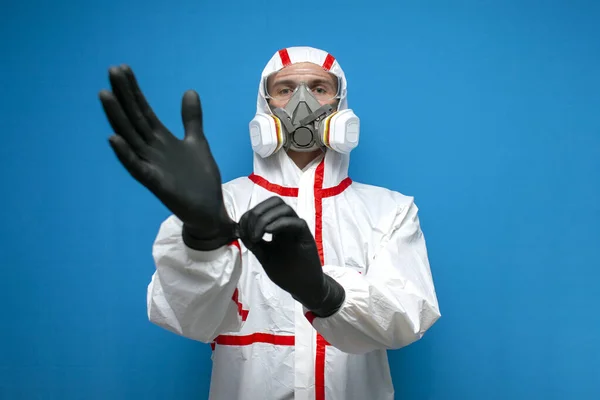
[[323, 84]]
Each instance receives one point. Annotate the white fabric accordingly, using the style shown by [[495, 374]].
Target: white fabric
[[372, 245]]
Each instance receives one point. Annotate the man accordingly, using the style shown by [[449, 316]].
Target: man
[[298, 277]]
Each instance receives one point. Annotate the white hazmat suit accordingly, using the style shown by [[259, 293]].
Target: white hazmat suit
[[265, 344]]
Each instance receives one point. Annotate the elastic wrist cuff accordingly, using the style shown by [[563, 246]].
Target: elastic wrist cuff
[[203, 244]]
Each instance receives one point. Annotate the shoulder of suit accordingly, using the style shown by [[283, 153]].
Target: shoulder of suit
[[241, 183], [379, 194]]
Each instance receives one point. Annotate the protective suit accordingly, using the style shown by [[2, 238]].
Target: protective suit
[[267, 345]]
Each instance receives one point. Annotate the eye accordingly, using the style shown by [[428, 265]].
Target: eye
[[282, 91], [321, 91]]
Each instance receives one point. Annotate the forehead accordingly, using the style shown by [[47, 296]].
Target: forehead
[[302, 71]]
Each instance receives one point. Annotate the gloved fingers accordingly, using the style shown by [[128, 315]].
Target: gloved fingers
[[264, 206], [119, 121], [130, 160], [245, 237], [191, 115], [287, 225], [124, 93], [141, 101], [257, 230], [250, 217], [243, 228]]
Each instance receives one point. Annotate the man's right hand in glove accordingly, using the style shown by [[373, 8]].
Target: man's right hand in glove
[[181, 173]]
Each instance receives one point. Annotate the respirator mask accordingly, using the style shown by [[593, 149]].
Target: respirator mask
[[303, 124]]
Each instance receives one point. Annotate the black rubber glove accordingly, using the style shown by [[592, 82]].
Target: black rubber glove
[[290, 259], [182, 174]]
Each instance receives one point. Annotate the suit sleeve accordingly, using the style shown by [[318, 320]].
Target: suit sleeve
[[394, 303], [195, 293]]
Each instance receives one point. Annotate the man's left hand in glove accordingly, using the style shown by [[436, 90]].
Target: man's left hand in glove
[[290, 259]]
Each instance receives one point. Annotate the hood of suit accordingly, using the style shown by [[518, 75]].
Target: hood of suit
[[278, 168]]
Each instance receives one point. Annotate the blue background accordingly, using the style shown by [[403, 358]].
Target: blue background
[[486, 112]]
